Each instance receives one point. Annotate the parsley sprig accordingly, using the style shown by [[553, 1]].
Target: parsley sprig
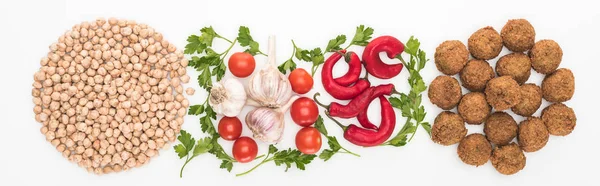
[[334, 145], [410, 104], [246, 40], [284, 157], [316, 56]]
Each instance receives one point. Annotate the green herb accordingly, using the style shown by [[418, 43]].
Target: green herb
[[246, 40], [211, 63], [285, 157], [361, 36], [410, 105], [187, 145], [334, 145]]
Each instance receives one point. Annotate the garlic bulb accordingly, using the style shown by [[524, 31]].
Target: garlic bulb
[[227, 97], [269, 87], [267, 124]]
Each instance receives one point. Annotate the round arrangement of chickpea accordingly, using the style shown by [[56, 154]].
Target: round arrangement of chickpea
[[109, 94]]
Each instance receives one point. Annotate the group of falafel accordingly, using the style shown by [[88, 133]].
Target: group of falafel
[[504, 89]]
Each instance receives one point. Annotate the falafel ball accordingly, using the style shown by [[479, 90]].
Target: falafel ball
[[531, 99], [559, 86], [518, 35], [500, 128], [445, 92], [485, 43], [508, 159], [473, 108], [476, 74], [503, 93], [533, 134], [559, 119], [451, 56], [448, 128], [546, 56], [516, 65], [474, 149]]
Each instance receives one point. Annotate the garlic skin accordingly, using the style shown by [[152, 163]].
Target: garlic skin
[[267, 124], [269, 87], [227, 97]]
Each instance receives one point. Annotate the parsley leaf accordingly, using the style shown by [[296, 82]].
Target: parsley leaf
[[284, 157], [361, 36], [320, 126], [187, 145], [196, 110], [334, 44], [194, 45], [246, 40], [334, 145], [287, 65]]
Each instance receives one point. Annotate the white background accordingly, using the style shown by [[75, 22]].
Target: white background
[[29, 27]]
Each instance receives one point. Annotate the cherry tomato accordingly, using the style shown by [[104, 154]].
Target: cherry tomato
[[245, 149], [241, 64], [304, 111], [308, 140], [301, 81], [230, 128]]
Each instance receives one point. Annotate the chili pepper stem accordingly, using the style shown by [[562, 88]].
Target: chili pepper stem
[[349, 152], [336, 121], [319, 103]]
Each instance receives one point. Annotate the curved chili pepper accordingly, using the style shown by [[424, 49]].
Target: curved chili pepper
[[336, 90], [354, 69], [367, 137], [363, 120], [359, 103], [373, 63]]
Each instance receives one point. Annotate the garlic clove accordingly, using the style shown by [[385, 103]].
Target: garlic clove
[[266, 124], [227, 97]]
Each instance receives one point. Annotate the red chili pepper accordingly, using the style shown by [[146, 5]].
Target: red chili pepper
[[336, 90], [357, 104], [373, 63], [367, 137], [363, 120], [354, 69]]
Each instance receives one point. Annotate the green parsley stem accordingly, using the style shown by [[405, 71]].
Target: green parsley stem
[[188, 159], [348, 152], [224, 54], [267, 159], [219, 36]]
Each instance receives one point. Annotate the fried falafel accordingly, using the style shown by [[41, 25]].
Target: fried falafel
[[445, 92], [448, 128], [516, 65], [508, 159], [476, 74], [531, 100], [503, 93], [559, 119], [474, 149], [500, 128], [485, 43], [559, 86], [533, 134], [473, 108], [451, 56], [518, 35], [546, 56]]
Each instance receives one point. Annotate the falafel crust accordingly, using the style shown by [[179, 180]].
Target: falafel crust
[[448, 128], [473, 108], [546, 56], [508, 159], [500, 128], [451, 56], [503, 93], [533, 134], [474, 149], [559, 119], [518, 35], [516, 65], [559, 86], [476, 74], [485, 43], [531, 100], [445, 92]]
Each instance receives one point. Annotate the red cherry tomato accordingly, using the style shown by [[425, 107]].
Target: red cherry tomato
[[245, 149], [230, 128], [304, 111], [241, 64], [301, 81], [308, 140]]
